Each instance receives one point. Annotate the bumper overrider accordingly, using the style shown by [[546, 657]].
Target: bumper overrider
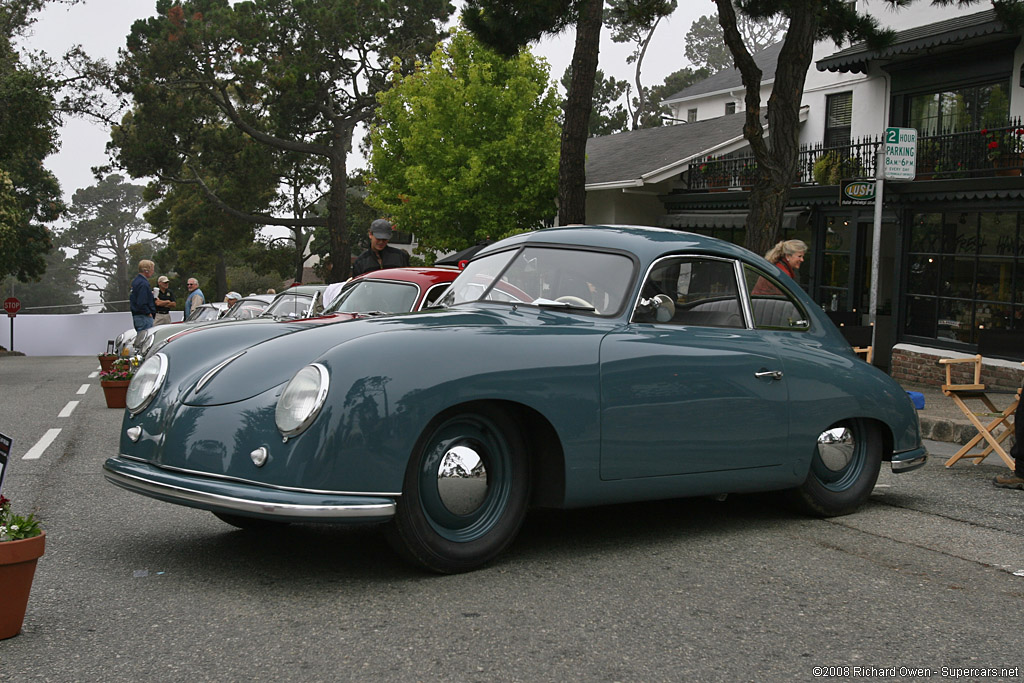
[[909, 460], [240, 498]]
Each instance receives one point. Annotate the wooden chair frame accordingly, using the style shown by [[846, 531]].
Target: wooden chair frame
[[976, 391]]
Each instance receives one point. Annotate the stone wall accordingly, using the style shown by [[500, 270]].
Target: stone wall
[[920, 365]]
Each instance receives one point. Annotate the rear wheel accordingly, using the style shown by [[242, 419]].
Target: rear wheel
[[844, 470], [465, 492]]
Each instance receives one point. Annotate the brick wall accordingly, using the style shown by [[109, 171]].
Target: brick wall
[[919, 365]]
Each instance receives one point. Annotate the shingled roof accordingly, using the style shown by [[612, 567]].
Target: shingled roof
[[730, 79], [951, 32], [628, 159]]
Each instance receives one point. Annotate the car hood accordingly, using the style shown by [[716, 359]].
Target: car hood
[[272, 362]]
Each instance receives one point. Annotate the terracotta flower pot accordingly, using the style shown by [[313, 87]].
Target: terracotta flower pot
[[106, 362], [17, 569], [115, 391]]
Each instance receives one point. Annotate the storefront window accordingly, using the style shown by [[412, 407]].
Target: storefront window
[[964, 271]]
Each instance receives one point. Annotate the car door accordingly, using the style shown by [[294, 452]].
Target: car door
[[690, 387]]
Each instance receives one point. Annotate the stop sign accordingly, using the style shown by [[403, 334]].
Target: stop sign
[[12, 306]]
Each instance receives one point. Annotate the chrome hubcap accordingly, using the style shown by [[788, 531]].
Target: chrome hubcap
[[836, 448], [462, 480]]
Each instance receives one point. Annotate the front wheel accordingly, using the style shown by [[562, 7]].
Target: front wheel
[[843, 471], [465, 493]]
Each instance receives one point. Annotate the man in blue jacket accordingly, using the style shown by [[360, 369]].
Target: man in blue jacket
[[141, 301]]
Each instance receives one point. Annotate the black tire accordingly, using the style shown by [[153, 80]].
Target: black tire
[[249, 523], [454, 522], [842, 473]]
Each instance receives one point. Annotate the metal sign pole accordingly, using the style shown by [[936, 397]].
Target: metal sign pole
[[12, 332], [876, 241]]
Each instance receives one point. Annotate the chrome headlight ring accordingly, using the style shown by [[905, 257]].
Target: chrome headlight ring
[[146, 383], [301, 400]]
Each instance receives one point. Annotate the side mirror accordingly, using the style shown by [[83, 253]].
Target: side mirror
[[660, 307]]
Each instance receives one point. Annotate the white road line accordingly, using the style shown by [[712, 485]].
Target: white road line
[[94, 374], [68, 409], [84, 388], [36, 451]]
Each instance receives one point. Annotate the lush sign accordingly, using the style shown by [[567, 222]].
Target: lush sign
[[857, 193]]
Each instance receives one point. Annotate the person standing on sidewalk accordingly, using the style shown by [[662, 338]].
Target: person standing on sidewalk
[[195, 297], [165, 301], [140, 300], [1016, 479]]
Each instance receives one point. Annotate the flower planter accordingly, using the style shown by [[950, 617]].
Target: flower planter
[[115, 391], [17, 569], [106, 362]]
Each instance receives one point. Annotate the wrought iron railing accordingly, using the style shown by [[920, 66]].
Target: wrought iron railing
[[968, 154]]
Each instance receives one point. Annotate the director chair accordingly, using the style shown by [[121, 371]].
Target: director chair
[[977, 391]]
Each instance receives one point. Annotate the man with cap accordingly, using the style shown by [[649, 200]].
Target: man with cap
[[380, 255], [165, 302], [231, 298]]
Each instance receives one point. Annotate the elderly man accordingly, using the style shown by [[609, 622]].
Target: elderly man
[[164, 301], [195, 297], [231, 298], [140, 300], [380, 255]]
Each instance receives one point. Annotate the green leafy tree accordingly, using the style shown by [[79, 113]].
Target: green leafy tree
[[508, 25], [705, 48], [607, 115], [634, 21], [467, 147], [56, 290], [808, 22], [105, 222], [294, 77], [29, 194]]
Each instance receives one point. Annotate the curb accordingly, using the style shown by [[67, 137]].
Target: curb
[[953, 431]]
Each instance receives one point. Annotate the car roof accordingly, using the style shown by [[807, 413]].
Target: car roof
[[306, 290], [644, 241], [420, 276]]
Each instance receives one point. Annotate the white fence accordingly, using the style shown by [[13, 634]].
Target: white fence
[[82, 334]]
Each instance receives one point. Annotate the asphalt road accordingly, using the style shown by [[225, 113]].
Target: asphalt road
[[929, 575]]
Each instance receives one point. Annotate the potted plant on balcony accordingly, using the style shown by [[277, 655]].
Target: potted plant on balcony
[[115, 381], [22, 542], [747, 173]]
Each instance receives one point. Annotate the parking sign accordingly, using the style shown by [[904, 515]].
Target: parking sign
[[900, 153]]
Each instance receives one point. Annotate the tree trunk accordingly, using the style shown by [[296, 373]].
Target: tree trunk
[[777, 158], [222, 278], [572, 176], [337, 227]]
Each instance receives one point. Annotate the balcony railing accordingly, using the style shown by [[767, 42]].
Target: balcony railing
[[969, 154]]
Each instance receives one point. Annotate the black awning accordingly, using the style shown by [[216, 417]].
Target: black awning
[[952, 32], [720, 219]]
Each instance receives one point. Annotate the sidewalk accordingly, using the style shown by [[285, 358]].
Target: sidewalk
[[941, 420]]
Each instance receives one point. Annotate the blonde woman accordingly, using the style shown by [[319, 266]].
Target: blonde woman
[[787, 255]]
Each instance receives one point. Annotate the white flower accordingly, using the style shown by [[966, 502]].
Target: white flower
[[14, 527]]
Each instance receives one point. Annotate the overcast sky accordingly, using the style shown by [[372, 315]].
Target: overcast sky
[[101, 26]]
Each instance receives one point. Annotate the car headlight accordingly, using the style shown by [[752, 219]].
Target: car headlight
[[302, 399], [147, 344], [146, 383]]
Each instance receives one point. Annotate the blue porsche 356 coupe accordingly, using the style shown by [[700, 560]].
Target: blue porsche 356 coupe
[[565, 367]]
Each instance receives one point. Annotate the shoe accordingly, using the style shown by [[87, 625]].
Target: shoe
[[1009, 481]]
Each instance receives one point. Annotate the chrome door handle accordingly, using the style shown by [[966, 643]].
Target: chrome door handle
[[770, 374]]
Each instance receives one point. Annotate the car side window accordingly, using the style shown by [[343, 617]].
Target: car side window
[[693, 291], [772, 306]]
